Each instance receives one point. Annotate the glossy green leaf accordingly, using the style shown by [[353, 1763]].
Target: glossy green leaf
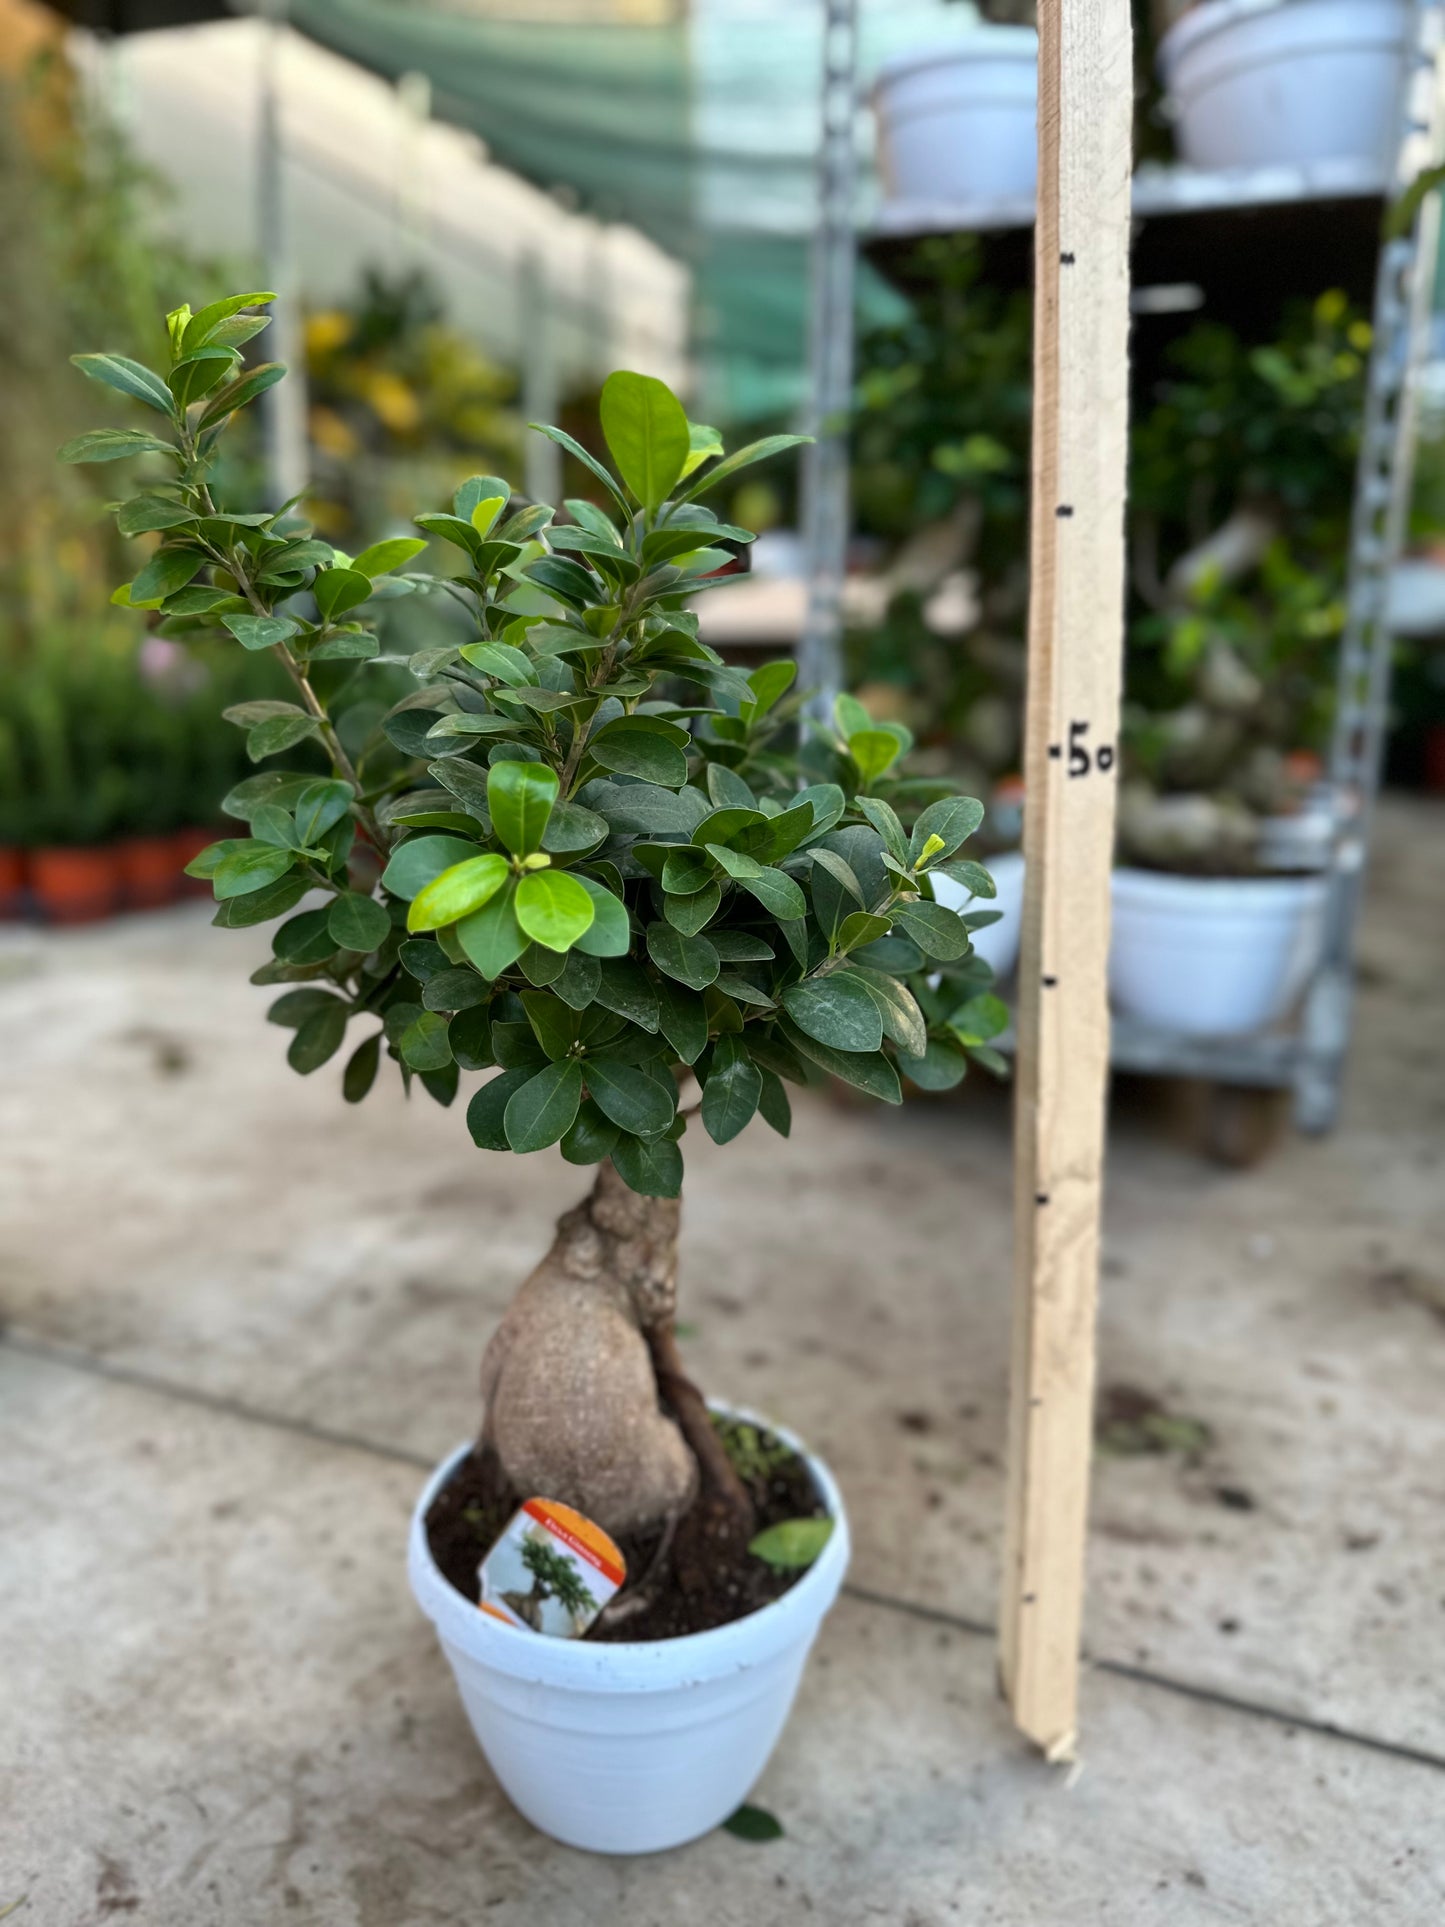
[[420, 860], [939, 1067], [864, 1071], [382, 557], [773, 1105], [319, 806], [902, 1019], [318, 1039], [647, 434], [486, 1114], [261, 632], [553, 908], [691, 960], [632, 748], [465, 887], [112, 445], [361, 1068], [758, 451], [937, 932], [693, 913], [953, 819], [651, 1167], [128, 377], [248, 867], [167, 571], [636, 1098], [491, 937], [624, 987], [337, 590], [733, 1089], [591, 1137], [837, 1010], [203, 326], [520, 797], [777, 892], [358, 922], [424, 1043], [238, 394], [540, 1111], [453, 989], [682, 1019], [610, 932]]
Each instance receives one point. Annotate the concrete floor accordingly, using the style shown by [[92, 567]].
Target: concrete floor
[[242, 1318]]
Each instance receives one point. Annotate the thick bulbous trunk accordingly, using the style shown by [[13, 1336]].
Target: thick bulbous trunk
[[586, 1399]]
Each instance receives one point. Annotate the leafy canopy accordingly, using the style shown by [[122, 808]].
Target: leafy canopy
[[605, 860]]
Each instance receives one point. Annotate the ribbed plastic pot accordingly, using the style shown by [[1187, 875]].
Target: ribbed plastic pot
[[956, 122], [1258, 83], [629, 1748], [1213, 956]]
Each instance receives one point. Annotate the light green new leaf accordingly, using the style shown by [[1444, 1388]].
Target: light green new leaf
[[873, 751], [382, 557], [610, 933], [465, 887], [647, 434], [520, 797], [202, 325], [337, 590], [792, 1544], [553, 908], [491, 937], [417, 862], [249, 867]]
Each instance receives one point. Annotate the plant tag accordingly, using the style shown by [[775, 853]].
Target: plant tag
[[551, 1571]]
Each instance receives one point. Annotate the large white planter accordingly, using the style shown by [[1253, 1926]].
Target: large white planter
[[1256, 83], [956, 122], [997, 943], [1212, 956], [629, 1748]]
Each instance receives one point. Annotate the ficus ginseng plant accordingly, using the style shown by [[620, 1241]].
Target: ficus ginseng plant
[[581, 855]]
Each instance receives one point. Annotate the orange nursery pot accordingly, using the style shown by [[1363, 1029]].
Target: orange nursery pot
[[12, 880], [75, 885], [149, 872]]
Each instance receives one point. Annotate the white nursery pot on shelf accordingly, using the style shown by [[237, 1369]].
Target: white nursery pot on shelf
[[1212, 956], [956, 122], [1260, 83], [629, 1748], [997, 943]]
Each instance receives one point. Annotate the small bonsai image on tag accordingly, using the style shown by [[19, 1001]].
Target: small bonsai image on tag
[[551, 1571]]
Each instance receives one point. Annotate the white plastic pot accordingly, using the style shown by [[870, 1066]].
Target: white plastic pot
[[1257, 83], [1212, 956], [997, 943], [629, 1748], [956, 122]]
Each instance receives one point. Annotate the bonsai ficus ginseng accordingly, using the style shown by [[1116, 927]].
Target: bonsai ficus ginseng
[[579, 854]]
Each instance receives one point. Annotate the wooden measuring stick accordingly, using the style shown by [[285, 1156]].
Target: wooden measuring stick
[[1080, 425]]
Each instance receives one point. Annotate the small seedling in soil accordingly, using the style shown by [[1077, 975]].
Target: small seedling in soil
[[570, 848]]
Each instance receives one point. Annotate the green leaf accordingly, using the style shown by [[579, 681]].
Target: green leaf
[[249, 868], [777, 892], [455, 989], [632, 747], [291, 1010], [769, 684], [937, 932], [980, 1019], [591, 1137], [691, 960], [693, 913], [167, 571], [486, 1114], [360, 1073], [128, 377], [741, 946], [902, 1019], [470, 1037], [358, 922], [873, 1074], [382, 557], [636, 1098], [580, 980], [238, 393], [647, 434], [588, 461], [773, 1105], [973, 876], [754, 452], [792, 1544], [269, 738], [112, 445], [543, 1109], [491, 937], [424, 1043], [477, 489], [420, 860], [637, 808], [319, 806], [553, 908], [337, 590], [556, 1025], [884, 819], [304, 939], [682, 1019], [319, 1038], [653, 1168], [732, 1092], [837, 1010], [624, 989], [261, 632], [145, 513], [610, 932], [953, 819], [941, 1065], [873, 751], [520, 797], [753, 1823], [861, 928], [203, 325], [465, 887], [259, 906]]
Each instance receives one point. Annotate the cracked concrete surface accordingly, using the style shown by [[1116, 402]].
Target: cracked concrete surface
[[222, 1706]]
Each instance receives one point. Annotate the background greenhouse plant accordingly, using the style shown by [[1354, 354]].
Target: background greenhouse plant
[[607, 872]]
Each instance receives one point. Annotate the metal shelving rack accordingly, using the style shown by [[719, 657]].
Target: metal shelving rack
[[1243, 238]]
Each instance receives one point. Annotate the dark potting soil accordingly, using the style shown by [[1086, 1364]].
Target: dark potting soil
[[706, 1578]]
